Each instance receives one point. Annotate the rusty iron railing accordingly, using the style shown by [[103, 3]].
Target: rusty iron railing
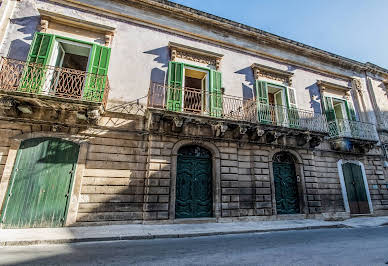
[[195, 101], [25, 77]]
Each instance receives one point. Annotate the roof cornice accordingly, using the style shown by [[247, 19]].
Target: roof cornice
[[263, 37]]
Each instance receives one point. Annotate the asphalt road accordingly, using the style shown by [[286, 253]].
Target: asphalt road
[[361, 246]]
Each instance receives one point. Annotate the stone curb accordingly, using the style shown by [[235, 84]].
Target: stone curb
[[147, 237]]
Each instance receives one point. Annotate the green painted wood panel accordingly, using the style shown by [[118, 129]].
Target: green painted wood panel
[[355, 188], [99, 63], [286, 190], [193, 187], [216, 97], [175, 83], [34, 75], [40, 184], [263, 109]]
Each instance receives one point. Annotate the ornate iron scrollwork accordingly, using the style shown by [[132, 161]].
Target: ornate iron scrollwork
[[194, 150], [283, 157]]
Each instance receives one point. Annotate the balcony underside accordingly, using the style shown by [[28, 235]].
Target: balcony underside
[[55, 94], [345, 144], [47, 108], [197, 126]]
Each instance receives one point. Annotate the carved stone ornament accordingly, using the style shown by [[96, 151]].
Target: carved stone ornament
[[178, 121], [108, 39], [43, 26], [220, 129], [323, 85], [262, 71], [357, 84], [195, 55]]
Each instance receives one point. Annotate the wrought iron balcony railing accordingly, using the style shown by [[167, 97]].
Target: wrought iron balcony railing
[[25, 77], [352, 129], [291, 117], [194, 101]]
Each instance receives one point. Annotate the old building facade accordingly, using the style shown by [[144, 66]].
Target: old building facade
[[148, 111]]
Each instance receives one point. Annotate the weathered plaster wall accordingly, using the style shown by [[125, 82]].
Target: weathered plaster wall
[[140, 53], [6, 10]]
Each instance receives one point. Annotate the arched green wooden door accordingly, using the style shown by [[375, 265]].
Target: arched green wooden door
[[40, 185], [193, 183], [355, 188], [286, 188]]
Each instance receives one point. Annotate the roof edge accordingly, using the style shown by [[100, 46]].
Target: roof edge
[[270, 38]]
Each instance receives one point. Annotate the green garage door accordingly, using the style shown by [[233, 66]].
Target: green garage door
[[39, 189]]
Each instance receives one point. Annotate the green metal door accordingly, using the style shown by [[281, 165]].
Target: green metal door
[[355, 189], [286, 190], [193, 183], [38, 192]]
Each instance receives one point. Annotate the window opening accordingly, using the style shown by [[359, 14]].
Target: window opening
[[195, 85], [276, 98], [68, 57]]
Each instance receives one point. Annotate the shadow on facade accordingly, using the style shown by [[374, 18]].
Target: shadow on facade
[[19, 47], [247, 88], [315, 98], [163, 55]]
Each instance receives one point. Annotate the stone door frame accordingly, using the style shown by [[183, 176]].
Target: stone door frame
[[301, 185], [343, 185], [216, 176], [15, 142]]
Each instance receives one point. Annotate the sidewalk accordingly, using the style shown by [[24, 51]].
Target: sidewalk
[[22, 237]]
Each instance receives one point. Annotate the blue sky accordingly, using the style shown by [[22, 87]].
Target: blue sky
[[357, 29]]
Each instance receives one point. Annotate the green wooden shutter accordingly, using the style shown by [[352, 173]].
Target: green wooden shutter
[[263, 109], [216, 96], [175, 86], [350, 111], [35, 72], [97, 73], [330, 116], [329, 108], [355, 128], [293, 115]]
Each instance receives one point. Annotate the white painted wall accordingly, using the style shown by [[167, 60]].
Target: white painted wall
[[140, 52]]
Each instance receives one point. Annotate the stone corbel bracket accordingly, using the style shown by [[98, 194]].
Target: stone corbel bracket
[[219, 129], [177, 124], [260, 71], [303, 138], [315, 141], [272, 136], [195, 55]]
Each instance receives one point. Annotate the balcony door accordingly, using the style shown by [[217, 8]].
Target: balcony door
[[70, 60], [275, 112], [195, 89], [279, 105]]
